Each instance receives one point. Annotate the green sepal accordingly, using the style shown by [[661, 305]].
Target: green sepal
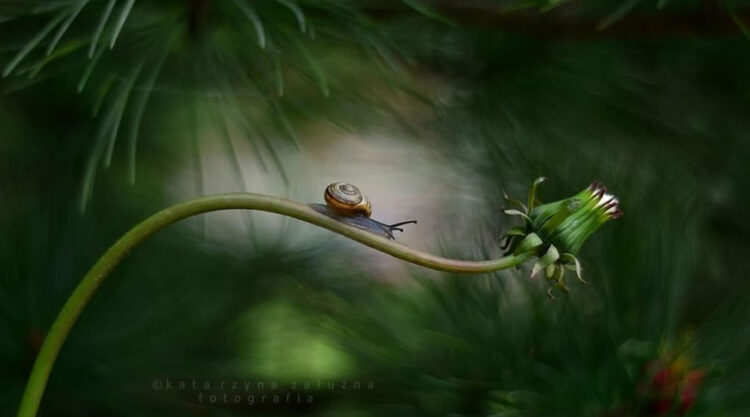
[[515, 231], [514, 201], [532, 193], [557, 276], [572, 264], [512, 212], [550, 270], [506, 242], [512, 235], [529, 243], [547, 259]]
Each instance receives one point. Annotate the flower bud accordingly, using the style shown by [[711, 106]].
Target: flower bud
[[555, 232], [568, 223]]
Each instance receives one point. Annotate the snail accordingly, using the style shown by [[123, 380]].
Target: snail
[[345, 203]]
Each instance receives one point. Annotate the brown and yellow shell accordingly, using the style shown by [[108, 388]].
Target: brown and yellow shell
[[346, 199]]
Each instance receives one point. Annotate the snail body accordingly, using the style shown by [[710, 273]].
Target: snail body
[[345, 203]]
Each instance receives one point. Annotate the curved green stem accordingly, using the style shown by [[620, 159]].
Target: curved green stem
[[88, 286]]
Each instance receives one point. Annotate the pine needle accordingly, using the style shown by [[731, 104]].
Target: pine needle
[[251, 15], [89, 176], [103, 91], [298, 13], [234, 160], [384, 53], [65, 50], [125, 11], [122, 102], [276, 160], [14, 86], [285, 124], [32, 43], [239, 179], [236, 115], [233, 109], [319, 74], [281, 120], [100, 27], [89, 69], [64, 27], [139, 106]]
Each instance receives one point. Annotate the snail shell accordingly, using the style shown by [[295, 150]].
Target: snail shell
[[347, 200], [345, 203]]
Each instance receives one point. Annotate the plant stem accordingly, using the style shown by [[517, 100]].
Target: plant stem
[[247, 201]]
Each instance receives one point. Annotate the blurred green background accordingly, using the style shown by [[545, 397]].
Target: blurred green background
[[112, 110]]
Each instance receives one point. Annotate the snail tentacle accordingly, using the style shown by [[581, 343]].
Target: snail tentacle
[[402, 223], [395, 225]]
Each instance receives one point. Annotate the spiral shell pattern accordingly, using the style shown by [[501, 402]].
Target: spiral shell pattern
[[346, 199]]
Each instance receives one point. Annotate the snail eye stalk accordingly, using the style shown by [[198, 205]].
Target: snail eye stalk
[[395, 225]]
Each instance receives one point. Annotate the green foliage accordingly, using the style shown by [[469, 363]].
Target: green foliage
[[248, 68]]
